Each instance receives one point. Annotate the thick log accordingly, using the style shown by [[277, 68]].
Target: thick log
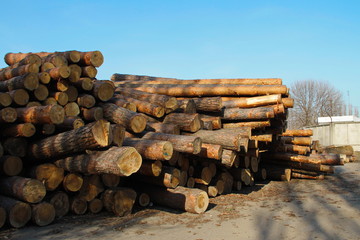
[[145, 107], [5, 99], [278, 173], [72, 182], [150, 168], [110, 180], [253, 125], [41, 92], [121, 161], [143, 199], [71, 109], [60, 97], [25, 189], [43, 214], [212, 151], [91, 136], [44, 77], [288, 102], [78, 205], [28, 81], [195, 90], [215, 121], [18, 213], [59, 72], [228, 157], [248, 113], [61, 203], [119, 201], [250, 102], [8, 73], [103, 90], [168, 128], [228, 139], [86, 100], [186, 106], [75, 73], [298, 133], [151, 149], [92, 187], [88, 71], [92, 114], [186, 144], [40, 115], [10, 165], [95, 205], [158, 99], [207, 104], [8, 115], [262, 137], [329, 158], [85, 84], [303, 141], [56, 60], [92, 58], [130, 120], [15, 146], [346, 149], [186, 121], [305, 176], [21, 59], [18, 130], [19, 97], [123, 103], [70, 123], [49, 174], [45, 66]]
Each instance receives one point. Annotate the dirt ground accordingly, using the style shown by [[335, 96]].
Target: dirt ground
[[300, 209]]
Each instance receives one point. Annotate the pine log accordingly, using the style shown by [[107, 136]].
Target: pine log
[[303, 141], [21, 59], [186, 121], [303, 150], [145, 107], [130, 120], [88, 71], [70, 123], [72, 93], [75, 73], [92, 58], [18, 213], [60, 97], [278, 173], [71, 109], [215, 121], [151, 168], [302, 166], [253, 125], [298, 133], [346, 149], [329, 158], [151, 149], [25, 189], [18, 130], [41, 92], [8, 115], [40, 115], [90, 136], [78, 205], [85, 84], [61, 203], [195, 90], [72, 182], [92, 187], [49, 174], [8, 73], [250, 102], [103, 90], [86, 100], [95, 205], [228, 157], [44, 77], [262, 137], [288, 102], [10, 165], [45, 66], [59, 72], [123, 103], [15, 146], [168, 128], [247, 113], [228, 180], [43, 214], [110, 180], [186, 106], [5, 99], [143, 199], [186, 144], [119, 201], [92, 114], [212, 151], [121, 161], [305, 176], [28, 81], [207, 104], [19, 97]]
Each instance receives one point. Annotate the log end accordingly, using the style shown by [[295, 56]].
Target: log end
[[2, 216], [197, 145], [12, 165], [31, 81], [5, 99], [8, 115], [43, 214], [130, 161], [105, 91], [137, 123], [168, 150], [34, 191], [19, 214], [60, 201], [97, 59], [101, 133], [95, 205], [57, 114], [72, 182]]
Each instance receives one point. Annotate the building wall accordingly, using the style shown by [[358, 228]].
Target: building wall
[[338, 134]]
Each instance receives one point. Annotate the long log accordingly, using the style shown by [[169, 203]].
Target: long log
[[186, 121], [21, 59], [186, 144], [163, 128], [258, 113], [91, 136], [297, 149], [28, 81], [302, 166], [130, 120], [43, 214], [151, 149], [123, 103], [18, 213], [25, 189], [18, 130], [250, 102], [119, 201], [212, 151], [303, 141], [346, 149], [7, 73], [253, 125], [207, 104], [10, 165], [121, 161], [195, 90], [39, 115], [298, 133], [305, 176], [291, 157], [262, 137]]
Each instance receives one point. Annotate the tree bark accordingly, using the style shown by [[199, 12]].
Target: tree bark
[[119, 201], [40, 115], [43, 214], [18, 213]]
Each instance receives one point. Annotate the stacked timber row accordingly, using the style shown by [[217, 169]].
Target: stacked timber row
[[61, 140]]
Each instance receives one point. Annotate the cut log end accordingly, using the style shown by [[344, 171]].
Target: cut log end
[[72, 182], [137, 123], [197, 145], [60, 201], [43, 214], [34, 191], [57, 114], [2, 216], [11, 165], [19, 214], [101, 133], [130, 161]]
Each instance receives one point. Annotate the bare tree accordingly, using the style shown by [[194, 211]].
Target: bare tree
[[313, 99]]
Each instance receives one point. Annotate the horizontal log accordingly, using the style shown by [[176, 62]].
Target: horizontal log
[[8, 115], [303, 141], [10, 165], [248, 113], [163, 128], [103, 90], [298, 133], [43, 214], [40, 115], [151, 149], [346, 149], [119, 201], [215, 121], [49, 174], [19, 59], [212, 151], [288, 102], [305, 176], [28, 81], [8, 73], [92, 58], [301, 165], [18, 213], [278, 173], [253, 124], [5, 99], [186, 121], [61, 203], [250, 102], [206, 104]]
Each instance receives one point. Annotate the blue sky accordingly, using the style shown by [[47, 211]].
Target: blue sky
[[293, 40]]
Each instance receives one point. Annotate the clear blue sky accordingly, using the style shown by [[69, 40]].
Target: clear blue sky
[[293, 40]]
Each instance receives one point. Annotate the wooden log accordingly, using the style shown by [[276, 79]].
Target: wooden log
[[5, 99], [298, 133], [90, 136], [305, 176], [346, 149], [72, 93], [43, 214], [328, 158], [303, 150], [244, 161], [70, 123], [145, 107], [158, 99], [228, 157], [207, 104], [61, 203], [70, 56], [121, 161], [212, 151], [210, 190], [8, 73], [186, 122], [254, 164], [40, 115], [44, 77], [15, 146], [119, 201], [10, 165], [8, 115], [75, 73], [103, 90], [49, 174], [18, 213], [78, 205], [19, 97], [92, 114], [71, 109], [18, 130], [88, 71], [56, 60], [302, 166], [28, 81], [253, 124], [95, 206], [25, 189], [247, 113], [151, 149], [303, 141], [21, 59], [278, 173], [186, 106], [261, 175], [85, 84], [168, 128], [195, 90], [251, 102], [123, 103], [45, 66], [165, 179], [143, 199], [92, 58], [60, 97], [91, 187], [110, 180], [41, 92], [130, 120], [215, 121], [86, 100], [3, 216], [72, 182], [291, 157], [59, 72], [150, 168], [262, 137], [186, 144], [228, 180], [118, 132], [33, 104], [288, 102]]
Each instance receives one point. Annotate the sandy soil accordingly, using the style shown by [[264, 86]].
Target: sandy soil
[[300, 209]]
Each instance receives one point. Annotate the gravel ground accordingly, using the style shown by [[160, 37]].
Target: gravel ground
[[300, 209]]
